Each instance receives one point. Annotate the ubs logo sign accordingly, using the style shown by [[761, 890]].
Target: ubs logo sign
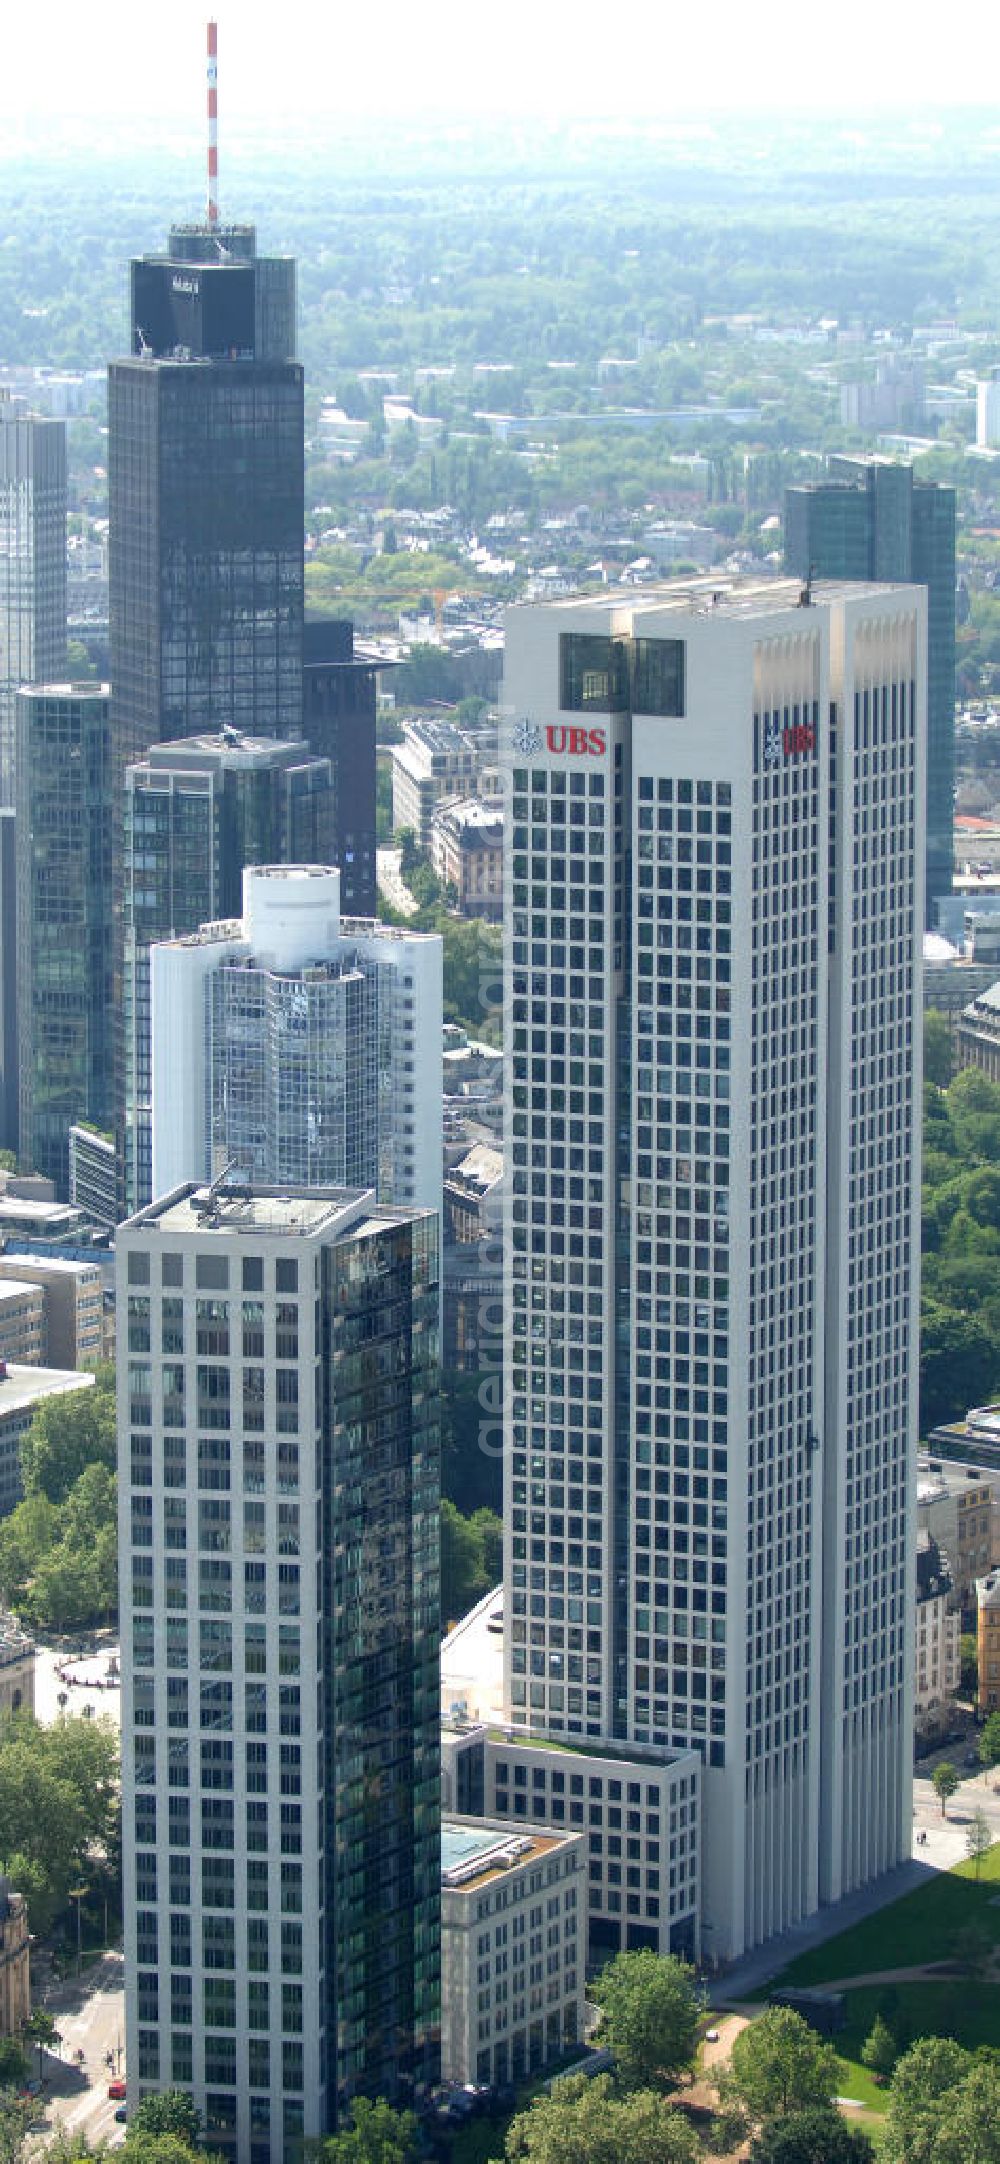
[[558, 736], [794, 741]]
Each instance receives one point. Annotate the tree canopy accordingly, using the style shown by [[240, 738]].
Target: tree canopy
[[59, 1547], [583, 2122], [649, 2008], [377, 2135], [811, 2137], [59, 1806], [779, 2065]]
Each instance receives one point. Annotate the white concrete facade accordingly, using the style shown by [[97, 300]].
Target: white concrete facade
[[305, 1045], [712, 938], [513, 1948]]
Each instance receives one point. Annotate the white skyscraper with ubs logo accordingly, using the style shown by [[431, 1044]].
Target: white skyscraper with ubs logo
[[713, 940]]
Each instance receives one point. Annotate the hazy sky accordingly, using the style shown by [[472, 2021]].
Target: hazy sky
[[145, 62]]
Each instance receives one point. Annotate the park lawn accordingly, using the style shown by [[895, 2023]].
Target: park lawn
[[919, 1928], [967, 2011]]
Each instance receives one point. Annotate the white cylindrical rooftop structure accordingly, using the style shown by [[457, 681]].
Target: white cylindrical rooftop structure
[[291, 913]]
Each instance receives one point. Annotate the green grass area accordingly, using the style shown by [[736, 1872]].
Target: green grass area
[[961, 2009], [921, 1927]]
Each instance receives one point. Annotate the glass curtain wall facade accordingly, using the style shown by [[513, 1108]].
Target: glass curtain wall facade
[[64, 899], [874, 520], [32, 567], [279, 1496], [338, 721], [206, 549], [196, 812]]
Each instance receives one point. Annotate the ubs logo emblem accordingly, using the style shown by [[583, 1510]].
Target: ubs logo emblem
[[527, 738], [772, 743]]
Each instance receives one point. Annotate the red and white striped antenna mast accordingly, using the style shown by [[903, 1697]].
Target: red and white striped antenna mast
[[212, 207]]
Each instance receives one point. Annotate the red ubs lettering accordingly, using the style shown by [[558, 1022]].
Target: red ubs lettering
[[798, 739], [560, 736]]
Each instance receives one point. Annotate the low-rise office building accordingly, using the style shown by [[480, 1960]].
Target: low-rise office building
[[640, 1811], [22, 1322], [435, 759], [73, 1296], [22, 1390], [513, 1948]]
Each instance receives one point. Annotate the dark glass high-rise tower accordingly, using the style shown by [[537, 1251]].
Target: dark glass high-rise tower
[[64, 894], [195, 813], [338, 719], [873, 520], [206, 496]]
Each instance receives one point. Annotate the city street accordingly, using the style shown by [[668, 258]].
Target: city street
[[90, 2017]]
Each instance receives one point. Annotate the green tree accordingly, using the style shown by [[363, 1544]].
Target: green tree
[[13, 2064], [649, 2015], [930, 2070], [60, 1807], [958, 1363], [377, 2135], [945, 1778], [40, 2030], [879, 2051], [989, 1741], [811, 2137], [142, 2147], [937, 1048], [968, 2130], [978, 1839], [583, 2122], [470, 1558], [969, 1654], [67, 1435], [14, 2117], [172, 2111], [779, 2065]]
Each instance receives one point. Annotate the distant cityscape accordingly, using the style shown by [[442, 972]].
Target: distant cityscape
[[499, 1029]]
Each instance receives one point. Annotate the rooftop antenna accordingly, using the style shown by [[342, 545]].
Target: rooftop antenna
[[212, 207]]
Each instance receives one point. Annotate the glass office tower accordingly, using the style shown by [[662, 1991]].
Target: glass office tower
[[338, 721], [205, 485], [32, 565], [64, 891], [279, 1497], [873, 520]]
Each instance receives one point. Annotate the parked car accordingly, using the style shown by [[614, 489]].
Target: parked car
[[121, 2115], [118, 2089]]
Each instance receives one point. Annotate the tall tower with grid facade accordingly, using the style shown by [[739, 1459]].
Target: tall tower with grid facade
[[205, 496], [32, 566], [279, 1497], [195, 813], [713, 933], [874, 519], [299, 1045]]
